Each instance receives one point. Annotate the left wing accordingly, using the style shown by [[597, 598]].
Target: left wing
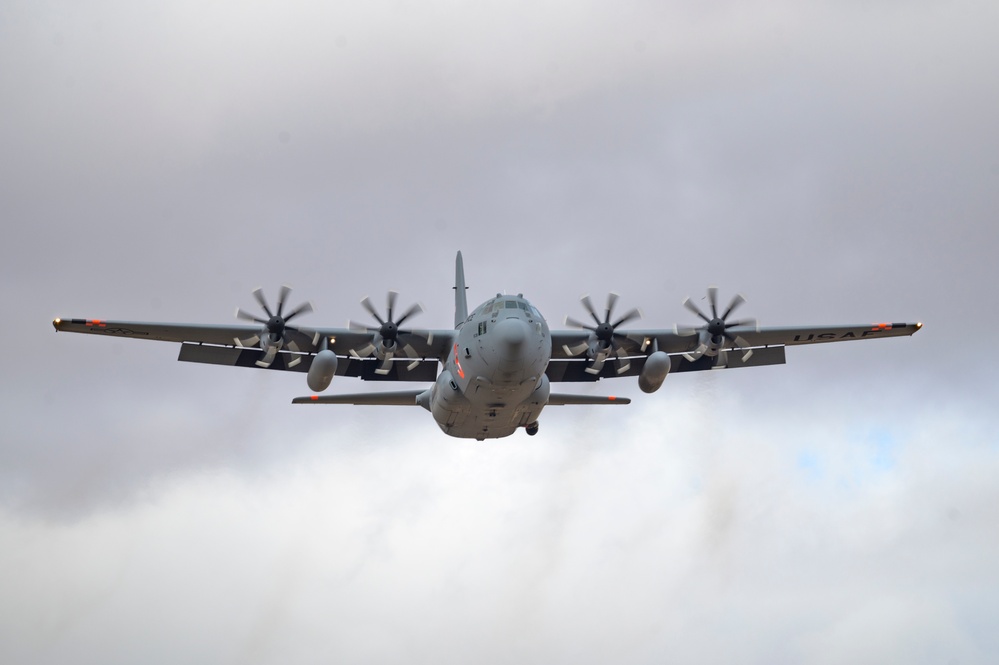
[[227, 345]]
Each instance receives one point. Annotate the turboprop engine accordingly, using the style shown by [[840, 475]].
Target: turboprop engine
[[657, 366], [385, 343], [273, 336], [716, 334]]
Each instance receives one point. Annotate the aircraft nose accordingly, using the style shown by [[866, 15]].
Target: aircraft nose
[[512, 333]]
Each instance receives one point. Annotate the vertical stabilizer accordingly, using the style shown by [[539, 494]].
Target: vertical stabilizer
[[460, 303]]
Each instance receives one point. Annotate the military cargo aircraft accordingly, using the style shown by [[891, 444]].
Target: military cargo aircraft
[[493, 373]]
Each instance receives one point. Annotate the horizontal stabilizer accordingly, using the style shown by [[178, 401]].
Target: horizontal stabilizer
[[393, 398], [560, 400]]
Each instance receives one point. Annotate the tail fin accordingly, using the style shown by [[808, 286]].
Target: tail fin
[[460, 304]]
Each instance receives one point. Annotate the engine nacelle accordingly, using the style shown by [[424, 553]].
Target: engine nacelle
[[657, 366], [322, 371], [708, 344]]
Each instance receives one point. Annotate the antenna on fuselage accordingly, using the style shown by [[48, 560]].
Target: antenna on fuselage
[[460, 303]]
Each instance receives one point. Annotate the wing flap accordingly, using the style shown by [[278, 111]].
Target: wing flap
[[239, 357], [366, 369], [575, 370]]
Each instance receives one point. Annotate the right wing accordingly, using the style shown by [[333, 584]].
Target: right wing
[[569, 361]]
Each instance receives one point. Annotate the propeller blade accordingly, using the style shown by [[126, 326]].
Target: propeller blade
[[366, 304], [311, 335], [576, 349], [689, 304], [736, 301], [750, 323], [713, 299], [698, 352], [410, 353], [743, 344], [268, 358], [632, 315], [364, 351], [249, 341], [360, 327], [282, 296], [412, 311], [428, 335], [386, 365], [259, 295], [684, 332], [392, 297], [611, 301], [623, 363], [246, 316], [304, 308], [588, 306], [569, 321]]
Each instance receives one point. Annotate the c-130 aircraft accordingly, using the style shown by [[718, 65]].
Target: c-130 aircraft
[[497, 365]]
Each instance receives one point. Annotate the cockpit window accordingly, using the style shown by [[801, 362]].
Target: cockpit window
[[511, 304]]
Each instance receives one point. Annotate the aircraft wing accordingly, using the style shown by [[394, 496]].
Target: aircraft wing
[[671, 341], [234, 345], [569, 362]]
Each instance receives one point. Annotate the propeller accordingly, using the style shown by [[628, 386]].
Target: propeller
[[715, 332], [385, 343], [605, 340], [272, 336]]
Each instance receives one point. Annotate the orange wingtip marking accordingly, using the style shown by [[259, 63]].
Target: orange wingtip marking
[[611, 398], [881, 326], [96, 322], [315, 398]]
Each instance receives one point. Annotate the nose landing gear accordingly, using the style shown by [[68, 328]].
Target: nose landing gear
[[532, 428]]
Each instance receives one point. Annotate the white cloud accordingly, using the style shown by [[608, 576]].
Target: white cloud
[[645, 537]]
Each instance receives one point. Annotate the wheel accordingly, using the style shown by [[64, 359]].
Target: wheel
[[532, 429]]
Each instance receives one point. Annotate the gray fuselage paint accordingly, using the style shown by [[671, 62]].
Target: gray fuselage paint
[[493, 380]]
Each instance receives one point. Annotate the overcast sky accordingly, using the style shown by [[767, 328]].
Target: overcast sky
[[836, 162]]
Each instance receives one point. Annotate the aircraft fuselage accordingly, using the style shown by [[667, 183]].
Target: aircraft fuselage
[[493, 380]]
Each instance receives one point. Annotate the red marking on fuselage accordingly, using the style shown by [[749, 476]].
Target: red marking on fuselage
[[457, 364]]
